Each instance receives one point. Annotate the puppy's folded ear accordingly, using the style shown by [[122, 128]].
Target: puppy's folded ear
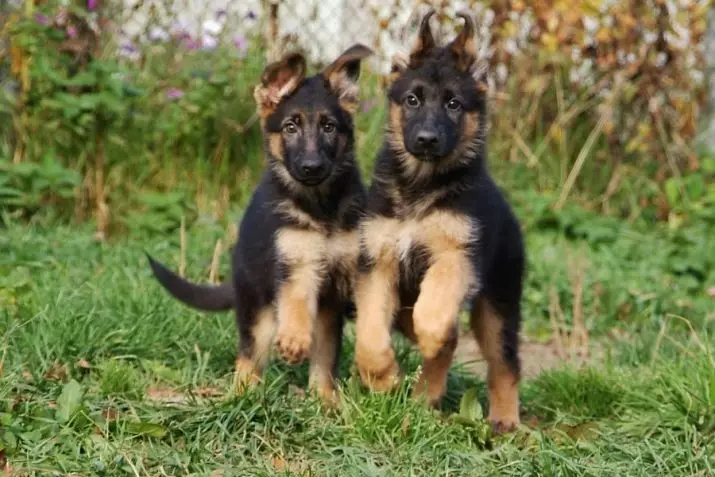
[[278, 81], [342, 76]]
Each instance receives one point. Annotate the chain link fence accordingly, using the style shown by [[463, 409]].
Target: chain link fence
[[640, 67], [321, 29]]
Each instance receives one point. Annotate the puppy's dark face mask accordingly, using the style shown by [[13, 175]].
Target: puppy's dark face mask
[[307, 122], [436, 95]]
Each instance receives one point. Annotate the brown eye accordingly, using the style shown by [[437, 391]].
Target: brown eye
[[290, 128], [328, 128], [412, 101], [454, 105]]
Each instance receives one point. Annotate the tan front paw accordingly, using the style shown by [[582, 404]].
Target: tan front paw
[[293, 344], [434, 326], [378, 369], [503, 426], [432, 337], [504, 410]]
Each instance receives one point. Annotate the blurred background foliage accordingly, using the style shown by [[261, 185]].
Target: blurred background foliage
[[128, 115]]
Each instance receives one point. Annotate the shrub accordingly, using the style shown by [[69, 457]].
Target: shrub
[[599, 93], [593, 100], [161, 115]]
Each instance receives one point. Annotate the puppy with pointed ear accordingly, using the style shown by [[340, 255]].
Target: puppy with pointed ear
[[425, 40], [438, 231], [463, 47], [424, 44]]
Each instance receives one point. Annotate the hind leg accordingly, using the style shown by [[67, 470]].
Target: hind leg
[[432, 383], [256, 328], [326, 353], [498, 335]]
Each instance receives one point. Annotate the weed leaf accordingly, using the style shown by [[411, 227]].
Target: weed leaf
[[149, 429], [70, 401], [469, 407]]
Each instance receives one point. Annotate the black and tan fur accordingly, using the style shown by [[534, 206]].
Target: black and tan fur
[[438, 232], [296, 258]]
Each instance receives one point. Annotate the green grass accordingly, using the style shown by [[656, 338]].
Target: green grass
[[103, 374]]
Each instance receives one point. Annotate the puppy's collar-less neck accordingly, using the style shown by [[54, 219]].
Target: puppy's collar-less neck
[[324, 202]]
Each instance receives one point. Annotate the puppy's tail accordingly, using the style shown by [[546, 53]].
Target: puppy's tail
[[201, 297]]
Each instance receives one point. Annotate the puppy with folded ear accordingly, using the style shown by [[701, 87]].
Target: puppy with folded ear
[[438, 231], [296, 258]]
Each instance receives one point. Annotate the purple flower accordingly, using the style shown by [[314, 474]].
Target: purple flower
[[191, 43], [251, 15], [92, 4], [71, 32], [174, 93], [128, 50], [209, 42], [42, 19], [241, 43]]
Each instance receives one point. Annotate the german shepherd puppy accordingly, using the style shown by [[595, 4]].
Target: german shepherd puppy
[[296, 258], [438, 232]]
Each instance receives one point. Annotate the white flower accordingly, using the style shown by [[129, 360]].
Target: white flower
[[212, 27], [158, 34]]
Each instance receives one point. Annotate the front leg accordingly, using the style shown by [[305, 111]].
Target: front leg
[[446, 283], [376, 300], [300, 256]]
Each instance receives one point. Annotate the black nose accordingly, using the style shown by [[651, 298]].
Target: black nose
[[427, 139], [312, 169]]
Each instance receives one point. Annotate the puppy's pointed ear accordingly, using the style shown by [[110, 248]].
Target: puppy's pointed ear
[[424, 44], [278, 81], [425, 39], [342, 76], [464, 45]]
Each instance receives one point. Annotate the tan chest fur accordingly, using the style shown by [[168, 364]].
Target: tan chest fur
[[312, 255], [440, 232]]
